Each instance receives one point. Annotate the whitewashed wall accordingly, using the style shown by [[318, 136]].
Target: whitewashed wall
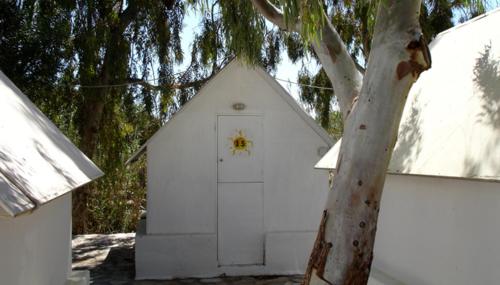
[[182, 183], [36, 248], [438, 231]]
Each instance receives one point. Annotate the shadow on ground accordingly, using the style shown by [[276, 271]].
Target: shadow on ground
[[110, 260]]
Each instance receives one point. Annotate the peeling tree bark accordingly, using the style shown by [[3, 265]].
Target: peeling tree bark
[[343, 251], [398, 56]]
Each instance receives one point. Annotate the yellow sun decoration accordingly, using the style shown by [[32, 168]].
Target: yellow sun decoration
[[239, 143]]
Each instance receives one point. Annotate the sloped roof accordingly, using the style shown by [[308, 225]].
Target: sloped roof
[[451, 122], [236, 63], [37, 162]]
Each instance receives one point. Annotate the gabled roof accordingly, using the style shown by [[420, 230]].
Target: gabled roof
[[236, 63], [451, 122], [37, 162]]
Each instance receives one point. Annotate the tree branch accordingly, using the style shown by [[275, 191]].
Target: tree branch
[[274, 15], [340, 68]]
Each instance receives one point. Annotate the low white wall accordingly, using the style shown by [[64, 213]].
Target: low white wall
[[36, 248], [161, 256], [439, 231]]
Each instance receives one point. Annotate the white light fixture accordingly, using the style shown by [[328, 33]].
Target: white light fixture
[[239, 106]]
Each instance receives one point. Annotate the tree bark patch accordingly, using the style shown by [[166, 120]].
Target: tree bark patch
[[317, 260]]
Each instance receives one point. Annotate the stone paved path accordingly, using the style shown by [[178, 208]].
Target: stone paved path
[[110, 259]]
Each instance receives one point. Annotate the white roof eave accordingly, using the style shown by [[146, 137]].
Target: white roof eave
[[37, 162]]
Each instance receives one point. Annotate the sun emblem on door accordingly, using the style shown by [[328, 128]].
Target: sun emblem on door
[[240, 143]]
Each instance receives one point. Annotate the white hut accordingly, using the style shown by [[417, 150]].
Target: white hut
[[440, 212], [39, 167], [231, 184]]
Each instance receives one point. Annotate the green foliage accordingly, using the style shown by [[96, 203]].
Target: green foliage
[[336, 126], [296, 48], [354, 21], [473, 8], [243, 28], [33, 45], [318, 100], [321, 101], [231, 28], [117, 201], [310, 13]]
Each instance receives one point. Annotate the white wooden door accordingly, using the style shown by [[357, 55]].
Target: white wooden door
[[240, 190]]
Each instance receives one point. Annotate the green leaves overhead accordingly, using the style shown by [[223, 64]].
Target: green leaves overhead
[[244, 30], [321, 101], [230, 28]]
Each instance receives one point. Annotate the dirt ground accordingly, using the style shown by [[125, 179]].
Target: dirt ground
[[110, 260]]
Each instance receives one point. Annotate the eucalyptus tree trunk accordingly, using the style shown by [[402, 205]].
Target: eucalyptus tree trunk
[[343, 251]]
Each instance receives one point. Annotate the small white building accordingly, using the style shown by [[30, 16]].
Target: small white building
[[440, 212], [231, 184], [39, 167]]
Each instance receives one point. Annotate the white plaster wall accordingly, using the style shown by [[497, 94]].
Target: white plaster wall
[[439, 231], [36, 248], [194, 255], [182, 160]]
